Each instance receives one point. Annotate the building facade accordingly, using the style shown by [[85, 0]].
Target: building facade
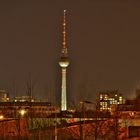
[[109, 98]]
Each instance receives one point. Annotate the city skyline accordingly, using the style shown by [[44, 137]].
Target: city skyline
[[103, 39]]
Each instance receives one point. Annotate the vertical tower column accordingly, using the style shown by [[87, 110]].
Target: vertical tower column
[[63, 90], [64, 63]]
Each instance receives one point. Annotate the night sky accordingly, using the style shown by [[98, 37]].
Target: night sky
[[103, 44]]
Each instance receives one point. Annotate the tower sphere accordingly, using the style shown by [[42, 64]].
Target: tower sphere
[[64, 64]]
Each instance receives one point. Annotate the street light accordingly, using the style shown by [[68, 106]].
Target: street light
[[2, 120], [1, 117], [22, 112]]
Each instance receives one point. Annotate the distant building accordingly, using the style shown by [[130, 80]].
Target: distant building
[[131, 108], [106, 99], [23, 99], [4, 96], [27, 109], [128, 116]]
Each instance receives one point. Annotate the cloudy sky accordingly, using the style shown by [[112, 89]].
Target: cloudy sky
[[103, 44]]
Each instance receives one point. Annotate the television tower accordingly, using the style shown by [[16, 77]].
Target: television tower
[[64, 63]]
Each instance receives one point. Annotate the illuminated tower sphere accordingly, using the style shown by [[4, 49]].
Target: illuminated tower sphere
[[64, 63]]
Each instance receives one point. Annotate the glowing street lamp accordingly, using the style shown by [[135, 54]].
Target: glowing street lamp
[[22, 112], [1, 117]]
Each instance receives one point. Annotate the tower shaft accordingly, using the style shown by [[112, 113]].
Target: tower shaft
[[64, 63], [63, 90]]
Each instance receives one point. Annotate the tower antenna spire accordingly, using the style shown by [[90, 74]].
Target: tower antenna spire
[[64, 30], [64, 43]]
